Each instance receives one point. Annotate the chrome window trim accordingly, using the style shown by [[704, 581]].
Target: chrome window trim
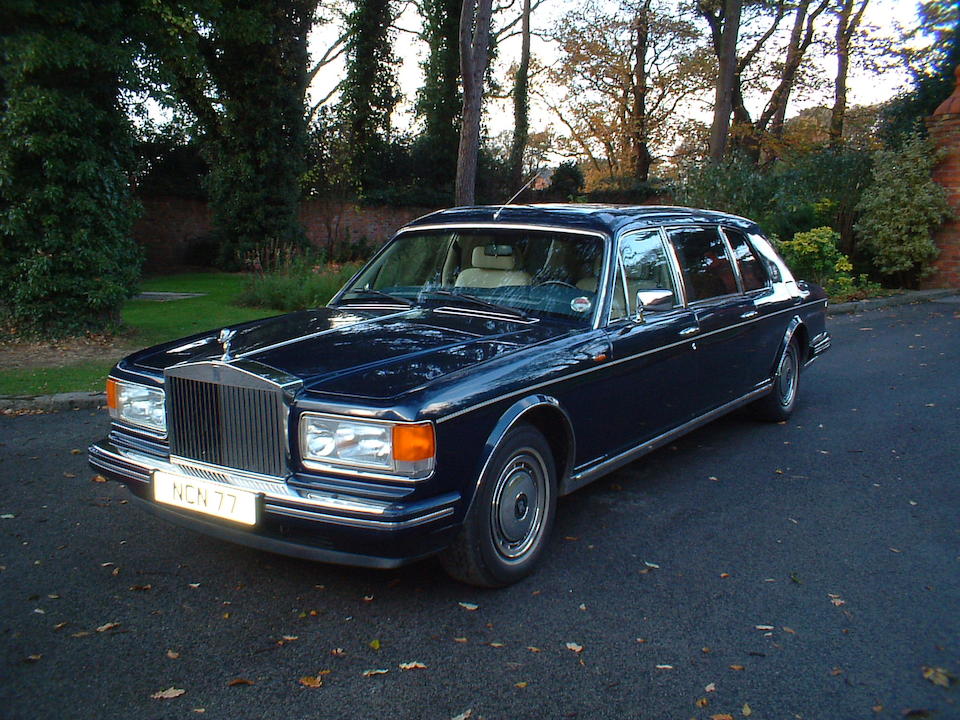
[[353, 469], [669, 254], [732, 259], [675, 265], [610, 363], [768, 281]]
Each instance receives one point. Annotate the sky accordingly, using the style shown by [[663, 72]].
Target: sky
[[863, 88]]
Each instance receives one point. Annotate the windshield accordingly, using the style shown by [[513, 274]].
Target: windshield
[[518, 272]]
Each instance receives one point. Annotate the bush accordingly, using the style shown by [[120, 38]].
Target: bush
[[815, 256], [298, 282], [900, 209]]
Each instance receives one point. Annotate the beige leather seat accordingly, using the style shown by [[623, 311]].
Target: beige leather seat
[[490, 271]]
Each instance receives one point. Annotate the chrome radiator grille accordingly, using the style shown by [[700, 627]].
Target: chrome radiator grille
[[236, 427]]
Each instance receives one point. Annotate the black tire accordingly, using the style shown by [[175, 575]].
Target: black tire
[[779, 404], [506, 529]]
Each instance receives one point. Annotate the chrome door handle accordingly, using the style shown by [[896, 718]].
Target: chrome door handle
[[749, 314], [687, 332]]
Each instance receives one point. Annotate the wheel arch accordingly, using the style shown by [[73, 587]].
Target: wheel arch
[[796, 328], [543, 412]]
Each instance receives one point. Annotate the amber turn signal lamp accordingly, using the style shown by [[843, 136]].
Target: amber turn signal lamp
[[413, 442], [111, 394]]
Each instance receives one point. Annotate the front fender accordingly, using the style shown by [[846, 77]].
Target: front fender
[[511, 417]]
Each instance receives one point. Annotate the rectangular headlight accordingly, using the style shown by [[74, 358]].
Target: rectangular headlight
[[331, 442], [137, 405]]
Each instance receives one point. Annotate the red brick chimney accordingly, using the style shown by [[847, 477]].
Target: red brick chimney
[[944, 129]]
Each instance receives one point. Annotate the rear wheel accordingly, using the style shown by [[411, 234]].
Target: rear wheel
[[507, 526], [780, 403]]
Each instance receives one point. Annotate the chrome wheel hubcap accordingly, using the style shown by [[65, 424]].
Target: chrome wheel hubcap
[[519, 504], [787, 377]]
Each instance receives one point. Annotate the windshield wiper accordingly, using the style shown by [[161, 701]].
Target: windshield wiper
[[380, 293], [477, 301]]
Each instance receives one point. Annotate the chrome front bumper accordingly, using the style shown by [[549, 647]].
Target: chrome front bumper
[[355, 522]]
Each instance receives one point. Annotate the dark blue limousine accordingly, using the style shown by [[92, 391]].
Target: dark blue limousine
[[486, 361]]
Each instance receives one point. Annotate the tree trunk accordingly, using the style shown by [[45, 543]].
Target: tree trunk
[[474, 56], [727, 66], [521, 119], [640, 158], [846, 27]]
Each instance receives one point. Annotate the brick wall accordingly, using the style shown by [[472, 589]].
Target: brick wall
[[170, 227], [944, 129]]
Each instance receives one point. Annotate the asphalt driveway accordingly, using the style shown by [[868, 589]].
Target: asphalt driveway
[[803, 570]]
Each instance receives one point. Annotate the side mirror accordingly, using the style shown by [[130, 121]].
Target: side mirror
[[653, 300]]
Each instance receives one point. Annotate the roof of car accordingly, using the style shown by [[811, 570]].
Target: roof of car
[[609, 219]]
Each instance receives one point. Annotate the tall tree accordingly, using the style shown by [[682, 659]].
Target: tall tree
[[475, 19], [754, 73], [521, 105], [240, 69], [849, 14], [67, 259], [725, 24], [439, 101], [368, 94], [625, 70]]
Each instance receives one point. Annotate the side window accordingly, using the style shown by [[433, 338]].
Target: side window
[[646, 266], [618, 303], [752, 272], [703, 259]]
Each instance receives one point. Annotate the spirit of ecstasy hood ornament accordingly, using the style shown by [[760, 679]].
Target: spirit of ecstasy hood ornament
[[226, 335]]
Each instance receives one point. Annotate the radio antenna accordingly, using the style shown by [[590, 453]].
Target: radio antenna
[[527, 184]]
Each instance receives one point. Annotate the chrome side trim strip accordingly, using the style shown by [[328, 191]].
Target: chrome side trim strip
[[610, 363], [603, 467]]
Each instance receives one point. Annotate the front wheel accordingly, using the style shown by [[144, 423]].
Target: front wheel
[[780, 403], [506, 529]]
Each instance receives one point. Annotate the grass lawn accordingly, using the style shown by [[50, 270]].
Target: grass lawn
[[146, 323]]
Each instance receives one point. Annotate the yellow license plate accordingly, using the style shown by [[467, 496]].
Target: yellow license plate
[[202, 496]]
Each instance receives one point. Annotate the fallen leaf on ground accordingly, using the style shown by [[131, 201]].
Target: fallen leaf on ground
[[712, 687], [33, 658], [789, 630], [664, 666], [938, 676], [368, 598], [375, 671], [173, 655], [574, 647], [69, 475], [468, 606], [98, 479], [533, 649], [108, 626], [168, 694], [460, 640], [337, 652], [836, 671], [701, 703], [764, 627], [522, 684], [724, 575], [311, 681], [465, 715], [82, 633], [496, 644], [738, 668], [239, 681], [722, 716], [747, 712], [375, 643], [141, 588], [413, 666]]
